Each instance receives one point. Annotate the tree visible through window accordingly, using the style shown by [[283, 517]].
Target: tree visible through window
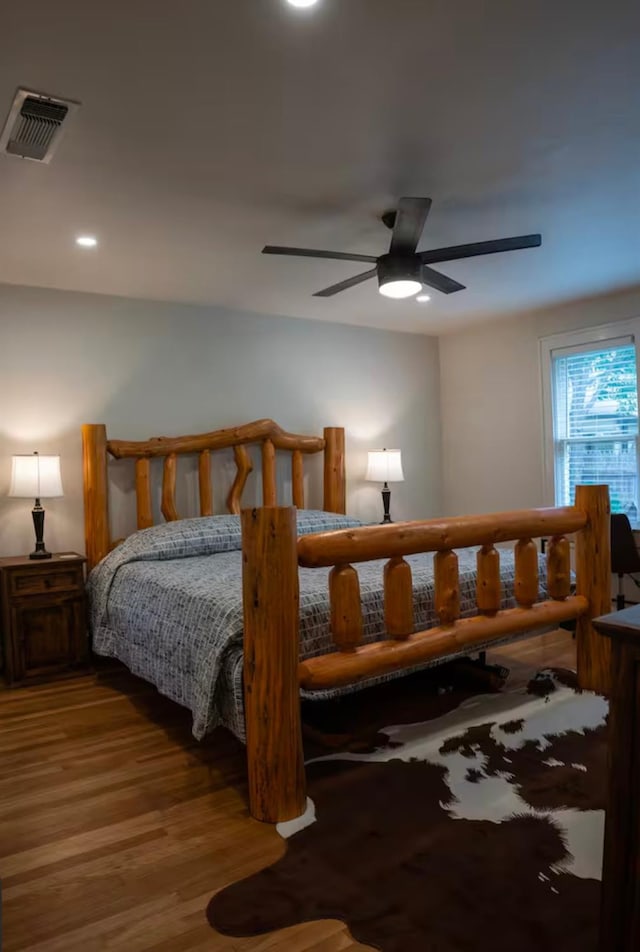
[[595, 422]]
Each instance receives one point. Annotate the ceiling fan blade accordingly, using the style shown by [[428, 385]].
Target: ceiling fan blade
[[439, 281], [455, 252], [312, 253], [410, 221], [345, 285]]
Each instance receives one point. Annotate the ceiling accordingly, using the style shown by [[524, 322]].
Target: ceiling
[[209, 128]]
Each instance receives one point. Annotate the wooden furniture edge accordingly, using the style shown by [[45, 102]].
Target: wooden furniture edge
[[620, 902]]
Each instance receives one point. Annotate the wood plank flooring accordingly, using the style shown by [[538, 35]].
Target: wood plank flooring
[[116, 827]]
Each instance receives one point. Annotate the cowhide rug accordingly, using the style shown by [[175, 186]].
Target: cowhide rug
[[480, 830]]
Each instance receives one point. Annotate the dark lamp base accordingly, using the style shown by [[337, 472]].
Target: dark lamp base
[[386, 501], [38, 524]]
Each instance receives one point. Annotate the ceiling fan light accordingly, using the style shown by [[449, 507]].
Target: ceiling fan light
[[400, 288], [399, 277]]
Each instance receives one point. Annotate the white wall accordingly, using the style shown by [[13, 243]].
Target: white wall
[[492, 450], [151, 369]]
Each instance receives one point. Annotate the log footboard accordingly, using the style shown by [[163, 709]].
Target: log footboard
[[274, 675]]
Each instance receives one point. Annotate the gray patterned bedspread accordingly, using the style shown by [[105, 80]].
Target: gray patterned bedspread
[[168, 604]]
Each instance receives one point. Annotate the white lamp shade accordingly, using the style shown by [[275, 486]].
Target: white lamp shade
[[385, 466], [35, 477]]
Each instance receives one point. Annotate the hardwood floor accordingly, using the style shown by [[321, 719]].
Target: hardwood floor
[[116, 827]]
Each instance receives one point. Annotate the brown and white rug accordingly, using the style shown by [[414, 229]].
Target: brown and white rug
[[480, 830]]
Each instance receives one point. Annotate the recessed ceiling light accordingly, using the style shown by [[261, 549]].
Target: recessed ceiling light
[[302, 3], [86, 241], [423, 298]]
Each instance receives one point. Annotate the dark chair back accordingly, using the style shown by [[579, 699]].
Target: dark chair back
[[625, 557]]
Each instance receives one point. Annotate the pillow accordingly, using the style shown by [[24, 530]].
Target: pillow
[[316, 520]]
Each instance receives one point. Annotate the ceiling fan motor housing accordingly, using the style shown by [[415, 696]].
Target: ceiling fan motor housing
[[398, 268]]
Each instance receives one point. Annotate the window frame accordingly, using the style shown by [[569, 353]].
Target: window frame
[[585, 338]]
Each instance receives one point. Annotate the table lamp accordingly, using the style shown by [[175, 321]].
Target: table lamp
[[36, 477], [385, 466]]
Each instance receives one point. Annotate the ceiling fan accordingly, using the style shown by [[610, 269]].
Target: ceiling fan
[[403, 271]]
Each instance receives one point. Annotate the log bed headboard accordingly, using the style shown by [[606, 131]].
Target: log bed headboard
[[96, 449]]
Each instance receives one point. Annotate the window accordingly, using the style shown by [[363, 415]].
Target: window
[[594, 410]]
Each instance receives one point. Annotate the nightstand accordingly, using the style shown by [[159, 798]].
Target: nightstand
[[43, 615]]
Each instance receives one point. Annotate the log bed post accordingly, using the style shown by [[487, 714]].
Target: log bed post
[[271, 646], [593, 581], [335, 494], [96, 496]]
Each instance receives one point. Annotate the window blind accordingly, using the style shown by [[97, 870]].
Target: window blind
[[595, 422]]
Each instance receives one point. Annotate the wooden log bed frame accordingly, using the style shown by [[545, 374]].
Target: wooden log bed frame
[[272, 555]]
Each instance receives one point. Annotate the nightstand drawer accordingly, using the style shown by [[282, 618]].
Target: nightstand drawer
[[27, 582]]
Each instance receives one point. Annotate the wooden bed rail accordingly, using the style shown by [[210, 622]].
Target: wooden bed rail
[[271, 691], [467, 635], [258, 432], [362, 544], [264, 433]]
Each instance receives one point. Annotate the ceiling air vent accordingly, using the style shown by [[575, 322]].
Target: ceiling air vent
[[35, 124]]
